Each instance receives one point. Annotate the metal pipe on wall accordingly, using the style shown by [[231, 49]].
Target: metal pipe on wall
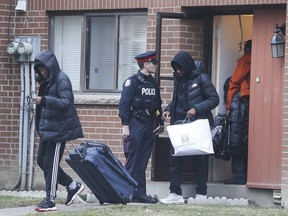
[[30, 47], [32, 126], [25, 126]]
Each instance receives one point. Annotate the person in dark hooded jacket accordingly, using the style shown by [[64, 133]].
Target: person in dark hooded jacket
[[56, 122], [194, 96]]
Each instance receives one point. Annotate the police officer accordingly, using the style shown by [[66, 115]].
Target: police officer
[[139, 106]]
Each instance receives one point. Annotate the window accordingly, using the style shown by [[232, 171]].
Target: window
[[132, 41], [100, 74], [67, 46], [112, 42]]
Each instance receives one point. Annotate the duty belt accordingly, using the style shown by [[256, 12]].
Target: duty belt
[[143, 115]]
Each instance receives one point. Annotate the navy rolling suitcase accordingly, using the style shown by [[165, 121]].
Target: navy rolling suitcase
[[104, 174]]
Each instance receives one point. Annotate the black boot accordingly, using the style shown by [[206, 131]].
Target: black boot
[[237, 181], [143, 199]]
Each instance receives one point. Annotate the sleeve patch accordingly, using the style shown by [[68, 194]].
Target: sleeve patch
[[127, 83]]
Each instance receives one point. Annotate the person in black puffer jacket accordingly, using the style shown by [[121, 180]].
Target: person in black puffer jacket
[[56, 122], [194, 96]]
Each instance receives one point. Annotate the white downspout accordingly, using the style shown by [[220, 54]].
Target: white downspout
[[32, 128]]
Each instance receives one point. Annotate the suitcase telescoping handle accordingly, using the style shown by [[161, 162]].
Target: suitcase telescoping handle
[[82, 156]]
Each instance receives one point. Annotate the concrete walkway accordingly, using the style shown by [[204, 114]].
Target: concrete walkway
[[60, 208]]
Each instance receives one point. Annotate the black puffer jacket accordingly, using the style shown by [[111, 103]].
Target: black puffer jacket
[[199, 92], [56, 116], [239, 121]]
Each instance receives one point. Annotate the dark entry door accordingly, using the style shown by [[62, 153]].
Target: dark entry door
[[161, 160]]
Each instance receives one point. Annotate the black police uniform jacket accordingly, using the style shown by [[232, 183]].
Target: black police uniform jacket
[[56, 116], [140, 92], [195, 88]]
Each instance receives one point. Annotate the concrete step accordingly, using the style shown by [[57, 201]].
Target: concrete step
[[260, 197], [216, 191]]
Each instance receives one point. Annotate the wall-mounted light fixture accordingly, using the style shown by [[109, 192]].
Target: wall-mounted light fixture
[[21, 6], [278, 42]]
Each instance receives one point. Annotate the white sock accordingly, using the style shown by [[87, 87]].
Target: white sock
[[72, 185]]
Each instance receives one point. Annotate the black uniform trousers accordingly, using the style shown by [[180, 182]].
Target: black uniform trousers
[[48, 158], [138, 152]]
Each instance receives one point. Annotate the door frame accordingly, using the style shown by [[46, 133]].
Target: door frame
[[208, 41], [189, 175]]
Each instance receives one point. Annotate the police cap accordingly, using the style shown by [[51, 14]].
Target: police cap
[[147, 57]]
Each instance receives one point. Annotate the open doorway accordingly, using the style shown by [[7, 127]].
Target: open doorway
[[222, 37], [221, 29], [229, 34]]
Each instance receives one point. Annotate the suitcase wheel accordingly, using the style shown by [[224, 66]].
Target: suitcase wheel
[[125, 201]]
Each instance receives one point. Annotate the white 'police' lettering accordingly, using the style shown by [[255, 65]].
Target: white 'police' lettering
[[148, 91]]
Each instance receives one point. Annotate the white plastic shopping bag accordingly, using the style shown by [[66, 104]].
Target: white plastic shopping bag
[[193, 138]]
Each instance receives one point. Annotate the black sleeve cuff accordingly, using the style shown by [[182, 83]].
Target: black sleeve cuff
[[43, 100]]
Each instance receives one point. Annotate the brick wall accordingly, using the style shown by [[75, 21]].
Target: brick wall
[[131, 4], [176, 35], [9, 99], [100, 122]]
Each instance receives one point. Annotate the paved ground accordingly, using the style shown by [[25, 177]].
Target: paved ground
[[30, 209], [79, 203]]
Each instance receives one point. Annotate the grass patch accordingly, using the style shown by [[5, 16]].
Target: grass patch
[[142, 210], [12, 202], [173, 210]]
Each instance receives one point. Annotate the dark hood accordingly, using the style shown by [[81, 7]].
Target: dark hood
[[184, 60], [49, 61]]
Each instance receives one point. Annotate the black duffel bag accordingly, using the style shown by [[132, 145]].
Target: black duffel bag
[[221, 137]]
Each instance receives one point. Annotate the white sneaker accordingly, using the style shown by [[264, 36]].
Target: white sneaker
[[173, 199], [200, 196]]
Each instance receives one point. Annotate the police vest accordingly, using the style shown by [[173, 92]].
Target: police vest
[[147, 95]]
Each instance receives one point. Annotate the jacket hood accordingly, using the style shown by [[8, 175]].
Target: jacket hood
[[49, 61], [185, 61]]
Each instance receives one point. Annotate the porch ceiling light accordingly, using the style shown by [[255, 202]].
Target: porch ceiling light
[[278, 43]]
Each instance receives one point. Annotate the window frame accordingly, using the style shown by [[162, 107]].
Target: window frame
[[84, 52]]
